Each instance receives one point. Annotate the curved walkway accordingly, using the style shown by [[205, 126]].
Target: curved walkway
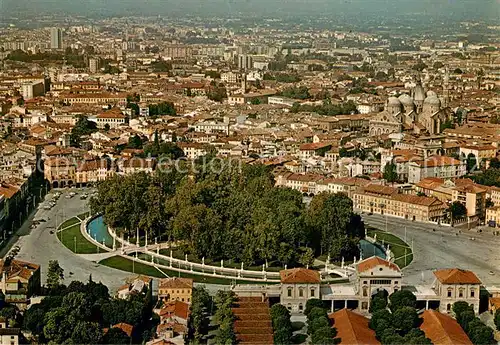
[[131, 251]]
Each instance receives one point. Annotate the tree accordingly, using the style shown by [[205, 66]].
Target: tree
[[82, 127], [86, 333], [459, 307], [225, 334], [497, 319], [479, 333], [306, 257], [311, 304], [55, 274], [402, 298], [471, 162], [377, 303], [405, 319], [390, 172], [282, 325], [135, 142], [106, 127], [279, 310], [420, 66], [457, 210], [381, 320], [438, 65]]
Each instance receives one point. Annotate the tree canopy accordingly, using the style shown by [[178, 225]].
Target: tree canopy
[[231, 212]]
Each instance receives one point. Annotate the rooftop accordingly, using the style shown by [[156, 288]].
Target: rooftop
[[456, 276]]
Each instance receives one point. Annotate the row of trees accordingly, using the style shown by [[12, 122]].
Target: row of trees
[[224, 317], [199, 322], [400, 323], [478, 332], [319, 325], [282, 326], [230, 210], [327, 108], [296, 92], [79, 312], [162, 108]]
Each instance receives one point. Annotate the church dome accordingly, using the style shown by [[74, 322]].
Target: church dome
[[431, 93], [405, 99], [393, 102], [433, 100], [419, 92]]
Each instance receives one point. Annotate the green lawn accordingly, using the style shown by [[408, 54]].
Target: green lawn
[[83, 215], [69, 222], [83, 246], [397, 246], [124, 264]]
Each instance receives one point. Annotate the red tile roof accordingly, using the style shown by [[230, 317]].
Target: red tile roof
[[299, 275], [125, 327], [456, 276], [442, 329], [352, 328], [175, 308], [375, 261], [176, 283]]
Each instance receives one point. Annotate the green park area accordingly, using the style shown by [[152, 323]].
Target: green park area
[[403, 254], [128, 265], [72, 238]]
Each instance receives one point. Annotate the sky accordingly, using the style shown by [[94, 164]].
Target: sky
[[474, 9]]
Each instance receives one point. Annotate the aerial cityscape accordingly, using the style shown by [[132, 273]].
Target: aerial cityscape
[[250, 172]]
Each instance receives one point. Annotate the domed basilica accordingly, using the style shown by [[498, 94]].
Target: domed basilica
[[421, 112]]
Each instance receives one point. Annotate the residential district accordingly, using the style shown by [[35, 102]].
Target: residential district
[[389, 143]]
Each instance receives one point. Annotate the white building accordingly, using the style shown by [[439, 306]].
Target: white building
[[454, 285], [56, 40], [436, 166], [32, 89]]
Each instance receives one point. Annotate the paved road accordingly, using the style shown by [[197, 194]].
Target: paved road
[[39, 245], [444, 248]]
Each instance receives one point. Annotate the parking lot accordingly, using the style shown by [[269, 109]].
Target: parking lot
[[38, 243]]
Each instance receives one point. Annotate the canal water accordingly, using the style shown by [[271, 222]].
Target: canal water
[[98, 230]]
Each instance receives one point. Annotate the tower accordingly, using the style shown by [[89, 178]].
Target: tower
[[56, 38], [243, 83]]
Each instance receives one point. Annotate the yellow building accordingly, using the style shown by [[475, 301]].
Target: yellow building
[[472, 197], [60, 172], [387, 200], [493, 216], [175, 289]]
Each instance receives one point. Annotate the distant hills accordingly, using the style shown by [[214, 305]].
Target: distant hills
[[384, 9]]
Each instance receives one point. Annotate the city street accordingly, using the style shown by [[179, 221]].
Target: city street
[[444, 248], [39, 245]]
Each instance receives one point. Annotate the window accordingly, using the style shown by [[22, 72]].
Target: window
[[364, 305], [301, 307], [472, 293], [395, 282], [365, 282], [301, 292], [312, 292], [448, 307], [289, 292], [449, 292], [380, 281], [461, 293]]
